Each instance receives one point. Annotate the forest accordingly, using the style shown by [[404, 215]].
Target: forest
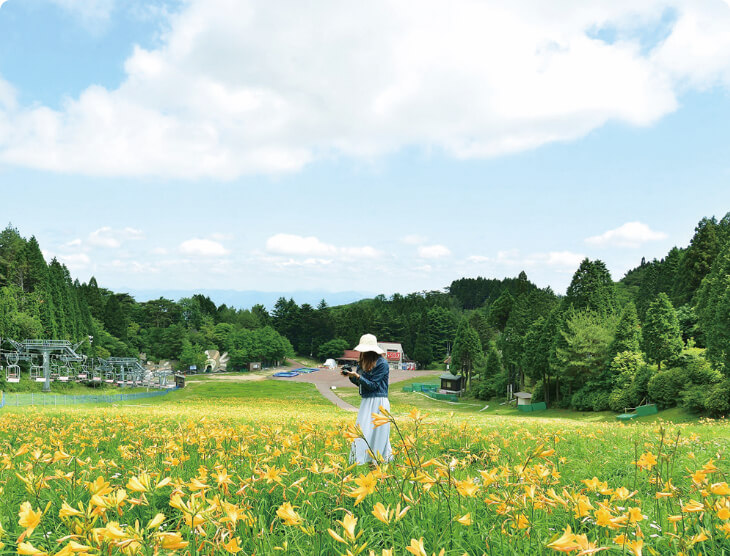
[[660, 334]]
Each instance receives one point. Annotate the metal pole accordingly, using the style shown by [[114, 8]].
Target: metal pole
[[46, 371]]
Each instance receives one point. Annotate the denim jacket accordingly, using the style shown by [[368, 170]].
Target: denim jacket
[[373, 384]]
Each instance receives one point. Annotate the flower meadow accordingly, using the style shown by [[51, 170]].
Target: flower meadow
[[247, 475]]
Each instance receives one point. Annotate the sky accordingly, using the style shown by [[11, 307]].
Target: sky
[[376, 147]]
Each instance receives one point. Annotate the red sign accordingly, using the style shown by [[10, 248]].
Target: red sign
[[393, 356]]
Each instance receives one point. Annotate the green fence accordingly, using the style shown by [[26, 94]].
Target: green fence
[[420, 387], [36, 398], [539, 406]]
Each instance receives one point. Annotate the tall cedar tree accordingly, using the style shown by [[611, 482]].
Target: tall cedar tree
[[713, 310], [628, 332], [662, 337], [592, 288], [467, 350], [697, 260]]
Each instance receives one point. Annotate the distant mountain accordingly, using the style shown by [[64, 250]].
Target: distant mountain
[[248, 298]]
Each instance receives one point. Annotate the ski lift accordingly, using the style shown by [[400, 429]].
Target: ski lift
[[55, 364], [63, 371], [83, 371], [36, 371], [95, 373], [109, 377], [12, 371]]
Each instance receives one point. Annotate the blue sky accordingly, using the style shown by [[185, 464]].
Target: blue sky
[[380, 148]]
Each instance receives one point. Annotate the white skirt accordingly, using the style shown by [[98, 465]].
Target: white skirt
[[377, 440]]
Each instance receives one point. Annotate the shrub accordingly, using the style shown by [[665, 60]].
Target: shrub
[[693, 398], [665, 386], [717, 402], [620, 399], [581, 400], [600, 400]]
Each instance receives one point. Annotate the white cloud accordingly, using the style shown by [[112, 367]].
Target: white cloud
[[238, 87], [73, 243], [513, 258], [433, 251], [159, 251], [294, 245], [413, 239], [202, 248], [112, 239], [290, 244], [104, 237], [75, 260], [631, 234], [566, 259]]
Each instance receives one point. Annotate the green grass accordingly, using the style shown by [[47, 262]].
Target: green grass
[[248, 428]]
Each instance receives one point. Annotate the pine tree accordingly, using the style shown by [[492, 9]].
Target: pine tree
[[712, 310], [592, 288], [499, 310], [628, 332], [422, 351], [662, 337], [467, 350], [696, 261]]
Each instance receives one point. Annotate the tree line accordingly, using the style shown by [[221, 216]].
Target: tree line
[[40, 300], [660, 334]]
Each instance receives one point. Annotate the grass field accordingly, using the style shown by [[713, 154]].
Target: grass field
[[261, 467]]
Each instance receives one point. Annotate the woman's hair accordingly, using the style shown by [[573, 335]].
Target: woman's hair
[[368, 360]]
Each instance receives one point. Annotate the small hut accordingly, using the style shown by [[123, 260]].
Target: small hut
[[451, 384], [523, 398]]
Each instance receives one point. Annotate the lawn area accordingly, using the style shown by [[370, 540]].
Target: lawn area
[[262, 466]]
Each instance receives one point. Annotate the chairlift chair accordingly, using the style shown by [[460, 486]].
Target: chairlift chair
[[55, 364], [83, 371], [109, 377], [64, 371], [36, 371], [12, 371]]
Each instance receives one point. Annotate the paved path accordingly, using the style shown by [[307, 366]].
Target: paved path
[[324, 379], [334, 398]]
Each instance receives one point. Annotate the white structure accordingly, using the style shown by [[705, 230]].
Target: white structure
[[215, 361], [393, 353], [523, 398], [330, 364]]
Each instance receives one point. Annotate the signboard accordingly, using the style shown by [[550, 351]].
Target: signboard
[[393, 356]]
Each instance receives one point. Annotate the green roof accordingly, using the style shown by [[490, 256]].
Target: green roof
[[448, 376]]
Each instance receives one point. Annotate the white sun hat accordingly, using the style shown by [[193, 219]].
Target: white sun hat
[[368, 342]]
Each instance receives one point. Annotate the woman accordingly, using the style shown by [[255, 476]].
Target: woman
[[371, 377]]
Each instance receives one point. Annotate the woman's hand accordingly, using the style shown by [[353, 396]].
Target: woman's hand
[[352, 374]]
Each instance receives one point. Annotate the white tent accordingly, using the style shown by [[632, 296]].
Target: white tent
[[330, 364]]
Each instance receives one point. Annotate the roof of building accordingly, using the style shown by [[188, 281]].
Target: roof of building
[[391, 345], [523, 395], [449, 376], [350, 355]]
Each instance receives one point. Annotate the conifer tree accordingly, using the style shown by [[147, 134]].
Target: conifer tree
[[467, 350], [628, 332], [696, 261], [592, 288], [662, 337]]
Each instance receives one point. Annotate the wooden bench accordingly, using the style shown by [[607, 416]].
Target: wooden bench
[[640, 411]]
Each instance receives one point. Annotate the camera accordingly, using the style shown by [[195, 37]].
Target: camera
[[346, 369]]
